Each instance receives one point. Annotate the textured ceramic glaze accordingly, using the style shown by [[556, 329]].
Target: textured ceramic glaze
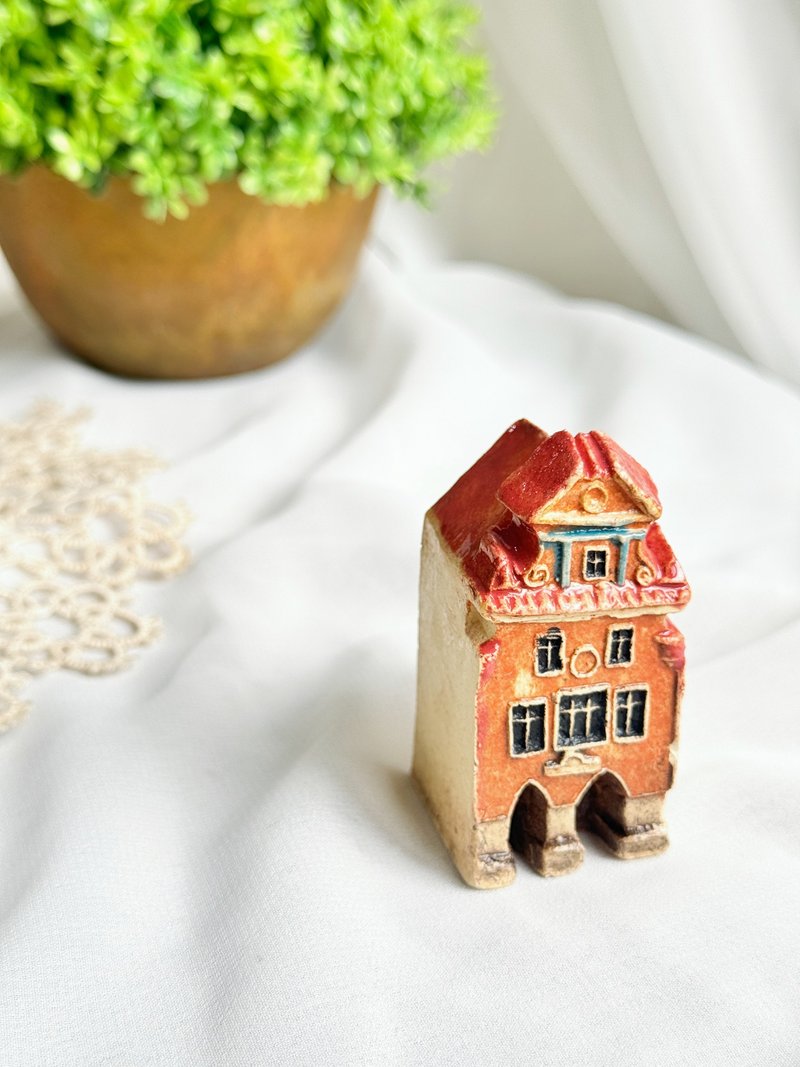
[[549, 676], [235, 286]]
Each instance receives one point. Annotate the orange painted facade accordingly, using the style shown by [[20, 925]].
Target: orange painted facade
[[508, 679]]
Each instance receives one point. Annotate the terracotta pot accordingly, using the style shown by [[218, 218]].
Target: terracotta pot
[[235, 286]]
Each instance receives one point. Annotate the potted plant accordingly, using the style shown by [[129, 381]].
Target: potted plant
[[185, 184]]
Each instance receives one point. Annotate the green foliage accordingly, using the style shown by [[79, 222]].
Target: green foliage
[[287, 94]]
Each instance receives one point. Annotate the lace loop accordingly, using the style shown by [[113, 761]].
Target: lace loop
[[77, 529]]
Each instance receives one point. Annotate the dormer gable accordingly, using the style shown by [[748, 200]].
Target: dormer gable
[[593, 502], [584, 479], [559, 525]]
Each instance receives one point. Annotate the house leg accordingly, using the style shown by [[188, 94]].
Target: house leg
[[487, 862], [479, 850], [630, 826], [545, 835]]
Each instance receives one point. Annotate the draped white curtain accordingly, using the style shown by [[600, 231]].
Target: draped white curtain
[[662, 147]]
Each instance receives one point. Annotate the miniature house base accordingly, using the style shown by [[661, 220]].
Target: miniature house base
[[549, 677]]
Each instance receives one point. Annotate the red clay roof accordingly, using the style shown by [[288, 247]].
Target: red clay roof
[[488, 520]]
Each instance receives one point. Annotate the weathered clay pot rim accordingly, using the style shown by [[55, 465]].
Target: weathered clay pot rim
[[127, 179]]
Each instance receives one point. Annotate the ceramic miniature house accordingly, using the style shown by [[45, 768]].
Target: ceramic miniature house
[[549, 675]]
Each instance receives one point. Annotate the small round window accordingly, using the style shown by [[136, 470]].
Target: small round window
[[594, 498]]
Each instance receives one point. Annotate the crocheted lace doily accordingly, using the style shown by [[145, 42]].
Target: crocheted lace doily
[[76, 530]]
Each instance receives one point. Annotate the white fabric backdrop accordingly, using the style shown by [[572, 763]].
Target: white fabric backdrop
[[219, 859], [648, 153]]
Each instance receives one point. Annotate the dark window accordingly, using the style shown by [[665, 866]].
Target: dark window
[[620, 646], [629, 712], [527, 728], [550, 652], [582, 717], [595, 563]]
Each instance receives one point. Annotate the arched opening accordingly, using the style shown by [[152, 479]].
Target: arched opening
[[528, 830], [628, 826], [601, 807], [544, 835]]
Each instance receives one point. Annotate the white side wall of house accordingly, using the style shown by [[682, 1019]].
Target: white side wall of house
[[444, 740]]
